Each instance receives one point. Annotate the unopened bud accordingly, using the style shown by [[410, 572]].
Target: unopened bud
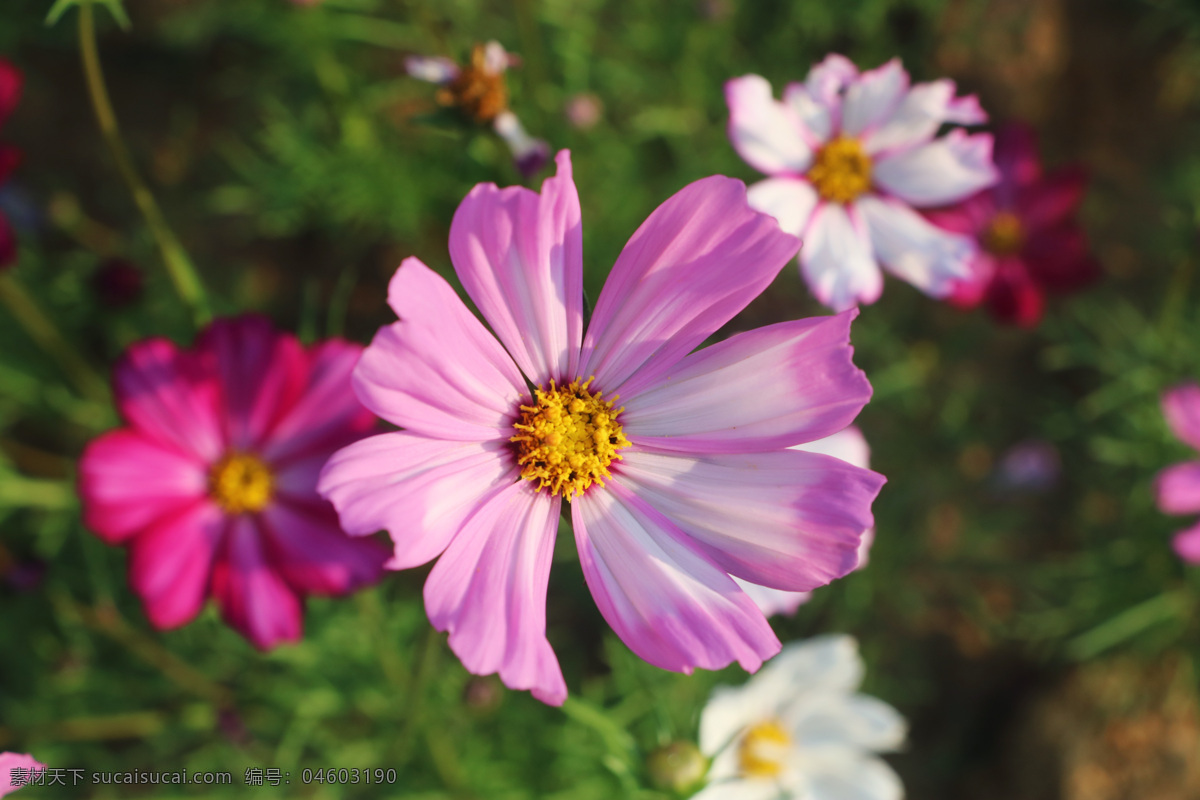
[[676, 767]]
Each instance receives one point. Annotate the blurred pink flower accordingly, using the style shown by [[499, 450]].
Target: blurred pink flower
[[212, 485], [16, 770], [850, 155], [1178, 487], [687, 482], [1030, 241], [584, 110], [11, 82]]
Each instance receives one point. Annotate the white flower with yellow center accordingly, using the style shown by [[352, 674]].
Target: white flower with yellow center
[[799, 731]]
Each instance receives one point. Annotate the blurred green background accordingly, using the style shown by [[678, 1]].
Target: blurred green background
[[1040, 639]]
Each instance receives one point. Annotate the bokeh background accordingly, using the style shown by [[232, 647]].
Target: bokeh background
[[1022, 607]]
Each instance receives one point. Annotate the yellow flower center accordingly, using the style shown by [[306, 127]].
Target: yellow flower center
[[240, 482], [841, 171], [567, 438], [1004, 235], [480, 93], [763, 750]]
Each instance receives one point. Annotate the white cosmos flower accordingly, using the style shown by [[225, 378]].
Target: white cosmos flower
[[849, 155], [799, 731]]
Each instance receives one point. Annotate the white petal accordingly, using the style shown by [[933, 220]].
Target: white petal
[[922, 111], [825, 82], [730, 710], [816, 117], [739, 789], [765, 132], [944, 171], [848, 444], [844, 723], [873, 97], [433, 69], [836, 259], [773, 601], [856, 779], [822, 664], [789, 200], [915, 250]]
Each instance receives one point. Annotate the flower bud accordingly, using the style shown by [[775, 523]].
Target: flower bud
[[676, 767]]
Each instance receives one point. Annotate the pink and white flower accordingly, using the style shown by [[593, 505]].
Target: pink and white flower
[[850, 155], [847, 445], [687, 482], [1178, 487], [17, 771], [212, 484]]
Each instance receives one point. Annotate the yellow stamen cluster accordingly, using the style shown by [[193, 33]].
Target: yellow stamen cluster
[[567, 438], [480, 93], [1005, 236], [841, 170], [240, 482], [763, 749]]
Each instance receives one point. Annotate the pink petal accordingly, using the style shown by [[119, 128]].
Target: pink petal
[[826, 82], [816, 117], [10, 159], [1059, 260], [170, 564], [773, 601], [1181, 407], [11, 82], [916, 119], [873, 98], [310, 551], [1178, 488], [261, 374], [789, 200], [127, 482], [1187, 544], [913, 249], [786, 519], [837, 260], [970, 291], [764, 389], [8, 243], [253, 597], [327, 415], [170, 396], [1012, 295], [969, 217], [16, 761], [668, 601], [944, 171], [766, 133], [1052, 200], [692, 265], [438, 371], [419, 490], [489, 591], [1017, 158], [519, 255]]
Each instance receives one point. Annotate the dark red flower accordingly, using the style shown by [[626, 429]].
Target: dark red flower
[[1030, 241], [10, 93]]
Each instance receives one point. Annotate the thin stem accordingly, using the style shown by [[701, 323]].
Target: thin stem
[[47, 336], [179, 266]]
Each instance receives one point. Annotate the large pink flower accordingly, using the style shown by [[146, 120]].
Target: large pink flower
[[687, 482], [849, 157], [212, 485], [16, 771], [1178, 487], [1030, 241], [10, 93]]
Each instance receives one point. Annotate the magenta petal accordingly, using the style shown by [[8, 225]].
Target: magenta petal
[[1059, 260], [520, 258], [261, 374], [1052, 200], [1178, 488], [312, 553], [789, 519], [10, 159], [1181, 407], [1187, 544], [489, 591], [764, 389], [1017, 157], [170, 396], [8, 243], [668, 601], [11, 82], [694, 263], [327, 415], [970, 217], [420, 490], [438, 371], [127, 481], [170, 564], [254, 598]]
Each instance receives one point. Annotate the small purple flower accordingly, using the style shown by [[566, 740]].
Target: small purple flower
[[1178, 487]]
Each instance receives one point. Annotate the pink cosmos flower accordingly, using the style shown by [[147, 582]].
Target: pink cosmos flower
[[1031, 243], [212, 484], [685, 482], [849, 157], [1178, 487], [16, 771], [10, 93]]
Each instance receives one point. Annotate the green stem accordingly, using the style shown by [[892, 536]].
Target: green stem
[[47, 336], [179, 266]]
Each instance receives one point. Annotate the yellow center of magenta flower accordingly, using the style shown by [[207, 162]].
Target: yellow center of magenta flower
[[240, 482], [841, 171], [763, 749], [567, 438], [1004, 235]]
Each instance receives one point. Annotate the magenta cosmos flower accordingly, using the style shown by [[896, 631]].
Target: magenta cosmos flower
[[849, 157], [17, 770], [10, 94], [212, 484], [679, 484], [1178, 487], [1030, 242]]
